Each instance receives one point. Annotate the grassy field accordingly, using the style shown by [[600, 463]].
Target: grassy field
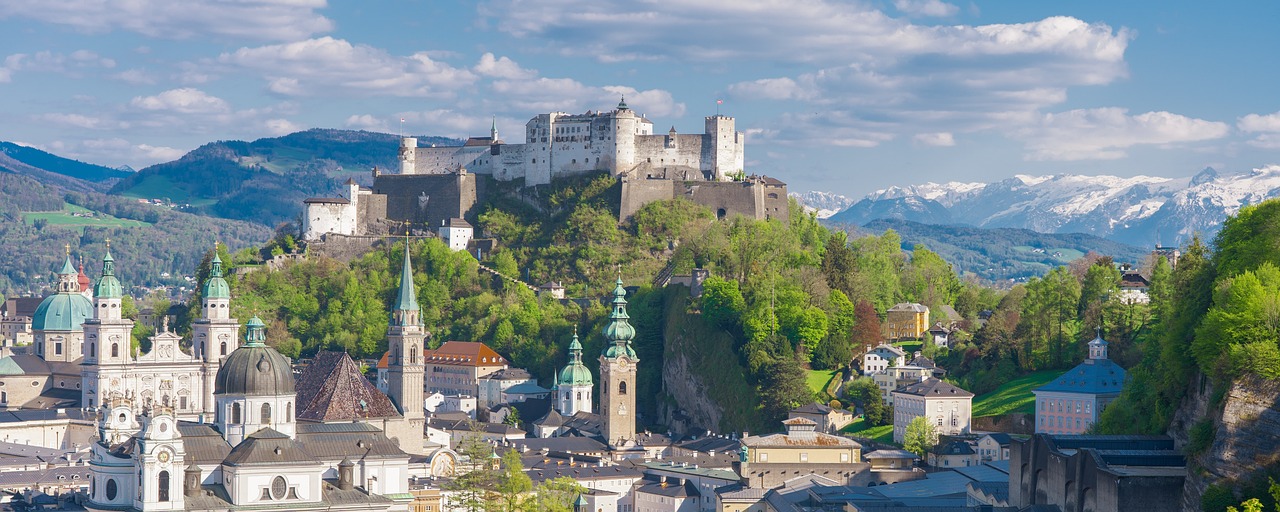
[[818, 380], [67, 218], [881, 434], [1013, 396], [159, 187], [910, 346]]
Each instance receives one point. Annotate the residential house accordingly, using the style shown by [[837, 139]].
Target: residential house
[[891, 459], [492, 386], [953, 454], [829, 420], [907, 320], [457, 366], [994, 446], [15, 320], [881, 358], [899, 376], [940, 335], [949, 408], [1133, 287], [1071, 403], [769, 460]]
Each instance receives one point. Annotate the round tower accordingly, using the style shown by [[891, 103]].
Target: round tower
[[408, 155]]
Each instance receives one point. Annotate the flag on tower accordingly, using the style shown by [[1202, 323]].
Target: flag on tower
[[719, 102]]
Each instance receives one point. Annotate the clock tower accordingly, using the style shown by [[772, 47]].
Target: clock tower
[[159, 459], [618, 374]]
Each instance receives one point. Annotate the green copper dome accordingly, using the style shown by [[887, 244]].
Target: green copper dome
[[574, 373], [619, 332], [65, 310], [216, 287], [108, 286], [255, 368]]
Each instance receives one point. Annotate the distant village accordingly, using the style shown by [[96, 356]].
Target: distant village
[[222, 421]]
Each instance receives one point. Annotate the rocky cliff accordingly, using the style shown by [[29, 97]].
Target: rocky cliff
[[1247, 440]]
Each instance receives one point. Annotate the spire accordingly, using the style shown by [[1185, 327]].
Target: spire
[[619, 331], [493, 130], [575, 373], [216, 287], [67, 267], [108, 286], [256, 334], [622, 103], [406, 309]]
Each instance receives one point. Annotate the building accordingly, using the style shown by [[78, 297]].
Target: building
[[881, 358], [572, 391], [955, 453], [1133, 287], [829, 420], [406, 361], [457, 366], [618, 375], [768, 461], [940, 335], [1170, 254], [906, 320], [15, 320], [57, 324], [1077, 473], [1074, 401], [493, 387], [948, 408], [456, 233], [254, 454], [897, 377], [994, 446], [891, 459]]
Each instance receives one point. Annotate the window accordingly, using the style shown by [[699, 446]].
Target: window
[[622, 387], [804, 457], [288, 411], [235, 413], [278, 487], [764, 457], [939, 421], [93, 351], [115, 350], [224, 348], [163, 483], [111, 489], [266, 413]]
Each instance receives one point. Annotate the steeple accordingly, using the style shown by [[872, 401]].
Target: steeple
[[493, 130], [108, 286], [68, 277], [406, 310], [619, 331], [622, 103], [618, 374], [216, 287], [1098, 347], [573, 385]]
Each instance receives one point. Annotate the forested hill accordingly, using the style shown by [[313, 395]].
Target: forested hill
[[1005, 253], [36, 159], [265, 181]]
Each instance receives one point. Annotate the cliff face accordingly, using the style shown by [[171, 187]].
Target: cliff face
[[1247, 439]]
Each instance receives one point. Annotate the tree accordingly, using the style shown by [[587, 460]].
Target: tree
[[866, 329], [920, 436], [866, 394], [783, 387], [512, 483], [722, 302], [556, 495], [475, 484]]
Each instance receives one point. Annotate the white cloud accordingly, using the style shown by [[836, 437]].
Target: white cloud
[[135, 77], [940, 139], [366, 122], [450, 123], [113, 151], [335, 66], [1105, 133], [935, 8], [501, 67], [180, 19], [278, 127], [1266, 126], [82, 121], [53, 62], [186, 100]]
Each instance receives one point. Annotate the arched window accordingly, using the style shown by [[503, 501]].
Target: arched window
[[111, 489], [235, 413], [266, 413], [288, 411], [413, 354], [93, 350], [163, 483], [115, 350], [224, 348], [622, 387]]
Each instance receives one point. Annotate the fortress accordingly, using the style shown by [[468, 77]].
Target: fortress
[[436, 184]]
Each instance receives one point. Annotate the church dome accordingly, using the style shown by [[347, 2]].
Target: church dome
[[575, 375], [216, 287], [255, 368], [62, 312]]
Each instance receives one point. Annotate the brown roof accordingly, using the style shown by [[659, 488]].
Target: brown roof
[[21, 306], [385, 362], [332, 389], [934, 388], [465, 353]]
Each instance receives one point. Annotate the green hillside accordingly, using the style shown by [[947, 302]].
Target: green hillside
[[78, 218], [1013, 396], [56, 164], [265, 181]]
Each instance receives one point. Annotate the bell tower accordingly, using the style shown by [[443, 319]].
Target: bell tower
[[108, 337], [406, 340], [214, 335], [159, 458], [618, 374]]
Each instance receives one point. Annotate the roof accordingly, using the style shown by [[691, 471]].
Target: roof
[[1000, 438], [891, 454], [254, 368], [712, 444], [799, 421], [954, 448], [687, 469], [1133, 280], [574, 445], [812, 408], [203, 444], [355, 440], [54, 398], [63, 311], [671, 488], [24, 364], [526, 388], [268, 446], [809, 438], [581, 473], [508, 374], [911, 307], [922, 362], [20, 306], [326, 200], [933, 388], [1093, 376], [465, 353], [551, 419], [889, 348], [454, 222], [332, 389]]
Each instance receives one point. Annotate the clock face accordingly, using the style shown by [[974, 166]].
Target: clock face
[[622, 363], [163, 456]]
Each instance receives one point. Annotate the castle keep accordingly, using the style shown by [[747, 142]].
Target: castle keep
[[436, 184]]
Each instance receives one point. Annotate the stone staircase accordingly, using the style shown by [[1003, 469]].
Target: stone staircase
[[508, 278]]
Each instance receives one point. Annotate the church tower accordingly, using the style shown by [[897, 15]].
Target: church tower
[[406, 340], [107, 340], [159, 458], [215, 335], [618, 374], [573, 385]]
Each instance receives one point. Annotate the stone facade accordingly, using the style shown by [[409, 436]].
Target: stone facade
[[755, 197], [949, 409], [1096, 473]]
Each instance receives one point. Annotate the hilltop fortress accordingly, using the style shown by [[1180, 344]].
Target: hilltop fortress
[[436, 184]]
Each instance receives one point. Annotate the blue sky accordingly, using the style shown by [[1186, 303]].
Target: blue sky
[[846, 97]]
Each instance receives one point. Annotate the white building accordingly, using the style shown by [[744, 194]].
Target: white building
[[949, 409], [456, 233], [1072, 403], [559, 144], [896, 377], [881, 358], [338, 215]]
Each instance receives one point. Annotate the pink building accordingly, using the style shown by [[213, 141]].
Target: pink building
[[1072, 402]]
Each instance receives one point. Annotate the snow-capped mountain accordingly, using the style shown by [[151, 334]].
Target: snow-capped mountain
[[1140, 210], [825, 203]]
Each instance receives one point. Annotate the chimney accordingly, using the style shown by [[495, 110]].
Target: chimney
[[345, 471]]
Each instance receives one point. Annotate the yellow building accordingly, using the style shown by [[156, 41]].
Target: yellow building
[[906, 320], [425, 499]]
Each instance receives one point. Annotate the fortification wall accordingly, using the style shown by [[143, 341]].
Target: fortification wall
[[321, 218], [653, 150], [425, 200], [756, 198], [637, 192]]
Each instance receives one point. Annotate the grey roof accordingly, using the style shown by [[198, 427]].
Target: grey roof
[[268, 446], [1000, 438], [933, 388], [202, 443], [954, 448], [891, 454], [326, 200], [563, 444], [909, 306], [60, 475], [255, 370], [672, 467], [585, 473], [37, 415], [1093, 376], [997, 491], [551, 419], [335, 441], [455, 222], [508, 374], [526, 388], [54, 398], [671, 488], [813, 408], [889, 348], [24, 364], [711, 444]]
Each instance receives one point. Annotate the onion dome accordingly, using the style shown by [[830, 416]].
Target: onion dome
[[216, 287], [619, 332], [82, 279], [108, 286], [65, 310], [574, 373], [255, 368]]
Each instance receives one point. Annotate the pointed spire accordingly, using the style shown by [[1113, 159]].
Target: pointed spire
[[108, 286], [493, 129], [619, 331], [407, 300], [67, 267], [216, 287]]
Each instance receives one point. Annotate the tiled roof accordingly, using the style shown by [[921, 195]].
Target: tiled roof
[[934, 388], [335, 441], [808, 439], [812, 408], [332, 389], [891, 454], [954, 448], [911, 307], [581, 473], [1093, 376], [268, 446], [671, 488], [465, 353], [202, 443]]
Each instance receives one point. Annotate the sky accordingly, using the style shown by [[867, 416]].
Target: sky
[[838, 96]]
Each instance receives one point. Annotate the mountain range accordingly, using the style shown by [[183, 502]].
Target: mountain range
[[1140, 210]]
